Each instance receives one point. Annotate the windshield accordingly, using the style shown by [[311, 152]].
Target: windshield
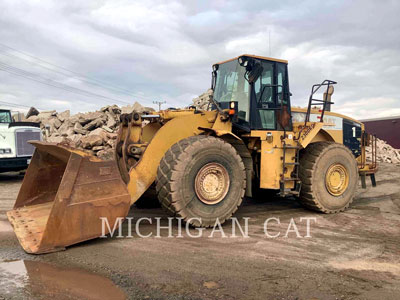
[[5, 116], [232, 86]]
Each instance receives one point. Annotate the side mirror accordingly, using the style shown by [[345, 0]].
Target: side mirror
[[214, 76], [213, 79], [253, 71], [253, 67]]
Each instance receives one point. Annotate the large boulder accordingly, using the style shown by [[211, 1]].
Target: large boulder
[[64, 115], [100, 132], [90, 141], [94, 124], [90, 116], [47, 114], [66, 128], [107, 154], [203, 101], [35, 119], [51, 121], [130, 108], [32, 112], [79, 129], [57, 139], [111, 121]]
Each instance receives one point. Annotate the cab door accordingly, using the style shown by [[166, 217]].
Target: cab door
[[270, 98], [270, 118]]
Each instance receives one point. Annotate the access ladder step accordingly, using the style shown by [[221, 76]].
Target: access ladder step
[[291, 179], [287, 192], [292, 163], [291, 192]]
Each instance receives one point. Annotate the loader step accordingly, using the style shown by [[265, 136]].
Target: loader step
[[291, 179], [291, 192]]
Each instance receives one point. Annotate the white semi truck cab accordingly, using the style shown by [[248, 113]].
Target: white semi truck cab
[[15, 151]]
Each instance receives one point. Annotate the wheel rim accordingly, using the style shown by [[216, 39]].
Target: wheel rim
[[337, 179], [212, 183]]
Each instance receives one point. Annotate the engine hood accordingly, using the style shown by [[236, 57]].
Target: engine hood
[[6, 128]]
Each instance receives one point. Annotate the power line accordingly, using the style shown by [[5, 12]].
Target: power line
[[62, 73], [50, 82], [89, 80], [47, 81], [13, 104], [16, 105]]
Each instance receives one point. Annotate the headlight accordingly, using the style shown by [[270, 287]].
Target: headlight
[[5, 151], [243, 61]]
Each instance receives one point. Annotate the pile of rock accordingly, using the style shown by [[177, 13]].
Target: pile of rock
[[384, 153], [95, 132], [203, 101]]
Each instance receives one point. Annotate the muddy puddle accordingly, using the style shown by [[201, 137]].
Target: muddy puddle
[[38, 280]]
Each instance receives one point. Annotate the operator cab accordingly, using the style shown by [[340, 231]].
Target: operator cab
[[257, 88]]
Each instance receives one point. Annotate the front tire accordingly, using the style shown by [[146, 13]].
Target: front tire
[[201, 179]]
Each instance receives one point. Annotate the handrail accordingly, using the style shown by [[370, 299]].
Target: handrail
[[325, 101]]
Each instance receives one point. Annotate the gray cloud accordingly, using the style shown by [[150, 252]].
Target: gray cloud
[[164, 50]]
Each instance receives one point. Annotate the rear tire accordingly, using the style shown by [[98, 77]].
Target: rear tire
[[329, 176], [201, 177]]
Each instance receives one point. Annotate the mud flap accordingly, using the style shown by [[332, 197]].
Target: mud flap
[[63, 198]]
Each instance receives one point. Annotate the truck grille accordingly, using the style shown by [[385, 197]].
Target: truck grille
[[22, 138]]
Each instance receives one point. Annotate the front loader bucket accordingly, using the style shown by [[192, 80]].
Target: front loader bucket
[[63, 198]]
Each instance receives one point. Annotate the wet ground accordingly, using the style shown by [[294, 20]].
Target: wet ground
[[351, 255]]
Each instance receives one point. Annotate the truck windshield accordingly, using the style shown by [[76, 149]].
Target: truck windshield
[[5, 116], [232, 86]]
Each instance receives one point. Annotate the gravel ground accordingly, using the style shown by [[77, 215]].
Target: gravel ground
[[351, 255]]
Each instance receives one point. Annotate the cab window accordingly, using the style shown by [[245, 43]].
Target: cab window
[[265, 99], [281, 75], [231, 86]]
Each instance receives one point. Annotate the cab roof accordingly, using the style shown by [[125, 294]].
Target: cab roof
[[254, 56]]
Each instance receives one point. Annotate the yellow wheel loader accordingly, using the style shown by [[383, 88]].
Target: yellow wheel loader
[[201, 162]]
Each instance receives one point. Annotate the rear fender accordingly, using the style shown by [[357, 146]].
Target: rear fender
[[309, 132]]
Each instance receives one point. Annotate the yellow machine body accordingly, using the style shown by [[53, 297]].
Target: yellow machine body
[[66, 193]]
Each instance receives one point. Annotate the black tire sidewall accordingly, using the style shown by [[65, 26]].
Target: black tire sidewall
[[193, 205], [335, 155]]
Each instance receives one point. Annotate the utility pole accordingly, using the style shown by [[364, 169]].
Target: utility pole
[[159, 104]]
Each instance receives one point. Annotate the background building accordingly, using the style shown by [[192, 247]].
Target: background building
[[387, 129]]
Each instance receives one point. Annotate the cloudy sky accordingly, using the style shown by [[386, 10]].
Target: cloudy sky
[[121, 51]]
